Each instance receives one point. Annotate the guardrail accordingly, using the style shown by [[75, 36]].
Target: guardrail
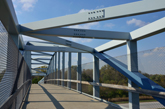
[[10, 100], [120, 87]]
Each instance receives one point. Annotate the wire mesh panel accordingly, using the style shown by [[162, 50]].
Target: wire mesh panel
[[73, 76], [87, 75], [8, 64], [150, 64], [14, 71]]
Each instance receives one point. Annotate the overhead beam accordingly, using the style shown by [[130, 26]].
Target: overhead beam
[[110, 45], [40, 61], [41, 43], [65, 42], [38, 74], [125, 10], [43, 53], [10, 22], [7, 14], [52, 49], [83, 33], [141, 33], [148, 30], [39, 68]]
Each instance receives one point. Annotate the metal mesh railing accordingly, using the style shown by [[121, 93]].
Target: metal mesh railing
[[150, 64], [15, 75]]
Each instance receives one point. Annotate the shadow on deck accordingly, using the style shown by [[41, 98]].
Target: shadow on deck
[[48, 96]]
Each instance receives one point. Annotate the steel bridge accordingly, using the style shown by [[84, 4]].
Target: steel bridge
[[16, 58]]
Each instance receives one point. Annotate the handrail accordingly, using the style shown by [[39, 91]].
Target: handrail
[[121, 87], [9, 101]]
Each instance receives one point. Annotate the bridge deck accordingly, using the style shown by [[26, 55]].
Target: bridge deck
[[48, 96]]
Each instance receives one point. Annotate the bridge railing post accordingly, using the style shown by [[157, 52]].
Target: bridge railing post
[[96, 76], [69, 70], [79, 73], [63, 68], [132, 59], [55, 66], [58, 74]]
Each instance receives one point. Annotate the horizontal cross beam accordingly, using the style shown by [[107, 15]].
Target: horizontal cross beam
[[40, 63], [52, 49], [40, 59], [38, 74], [61, 41], [83, 33], [130, 9]]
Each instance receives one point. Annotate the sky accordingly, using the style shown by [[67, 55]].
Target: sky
[[35, 10]]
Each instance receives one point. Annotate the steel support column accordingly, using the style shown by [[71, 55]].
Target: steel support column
[[96, 76], [53, 68], [79, 73], [69, 70], [55, 65], [133, 67], [63, 68], [58, 74]]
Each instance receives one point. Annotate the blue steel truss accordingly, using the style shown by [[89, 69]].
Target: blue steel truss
[[49, 29]]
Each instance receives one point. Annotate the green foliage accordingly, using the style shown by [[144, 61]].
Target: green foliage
[[36, 79], [87, 75], [111, 76]]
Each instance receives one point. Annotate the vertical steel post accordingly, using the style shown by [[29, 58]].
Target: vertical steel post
[[63, 68], [79, 72], [58, 75], [55, 66], [52, 68], [96, 76], [69, 70], [133, 67]]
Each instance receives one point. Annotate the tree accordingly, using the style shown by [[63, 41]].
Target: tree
[[36, 79]]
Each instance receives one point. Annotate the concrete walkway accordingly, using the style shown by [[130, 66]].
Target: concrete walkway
[[48, 96]]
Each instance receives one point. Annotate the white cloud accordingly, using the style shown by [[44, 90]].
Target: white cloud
[[109, 25], [26, 5], [137, 22], [98, 7], [154, 52], [84, 10]]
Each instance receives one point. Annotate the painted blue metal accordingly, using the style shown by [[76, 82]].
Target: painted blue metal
[[136, 77]]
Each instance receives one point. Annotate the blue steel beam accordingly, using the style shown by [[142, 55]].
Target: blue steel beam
[[41, 63], [10, 22], [83, 33], [125, 10], [136, 77], [61, 41]]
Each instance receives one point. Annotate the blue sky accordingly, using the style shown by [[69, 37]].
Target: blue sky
[[34, 10]]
